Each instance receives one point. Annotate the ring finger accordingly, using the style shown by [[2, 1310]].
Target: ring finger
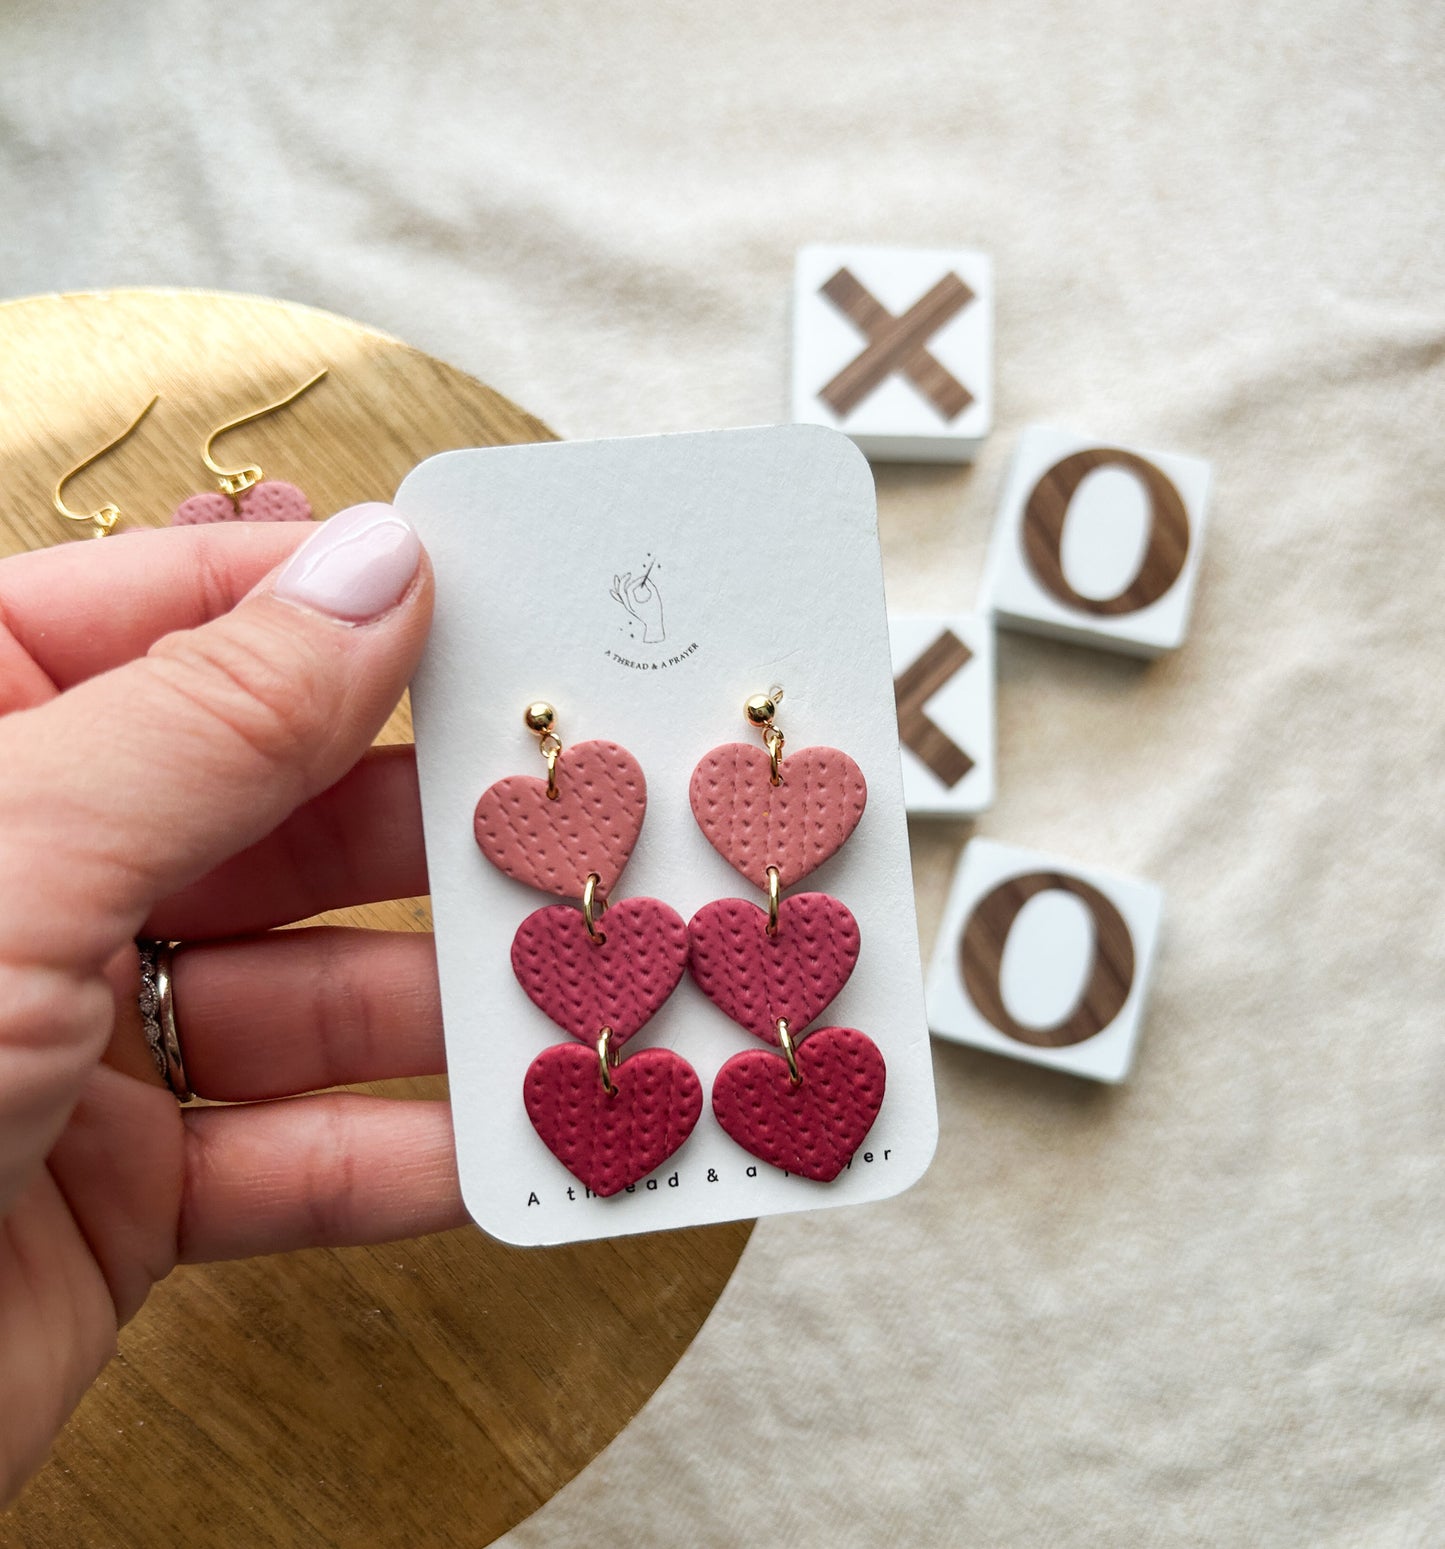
[[297, 1010]]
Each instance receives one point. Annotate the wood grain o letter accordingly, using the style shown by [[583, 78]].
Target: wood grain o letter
[[1111, 975], [1043, 531]]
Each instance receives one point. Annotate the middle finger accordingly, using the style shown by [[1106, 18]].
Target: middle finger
[[298, 1010], [360, 842]]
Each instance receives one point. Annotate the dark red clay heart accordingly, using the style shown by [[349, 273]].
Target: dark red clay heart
[[795, 826], [608, 1142], [812, 1129], [755, 978], [271, 500], [619, 982], [591, 826]]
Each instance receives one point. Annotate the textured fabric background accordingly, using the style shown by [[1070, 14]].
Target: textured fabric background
[[1201, 1309]]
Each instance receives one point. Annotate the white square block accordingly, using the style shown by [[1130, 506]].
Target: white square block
[[894, 346], [1043, 960], [943, 679], [1098, 543]]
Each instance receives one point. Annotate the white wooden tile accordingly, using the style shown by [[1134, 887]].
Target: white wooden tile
[[1098, 543], [943, 672], [1044, 960], [894, 346]]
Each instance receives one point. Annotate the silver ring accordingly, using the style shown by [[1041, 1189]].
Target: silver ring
[[158, 1013]]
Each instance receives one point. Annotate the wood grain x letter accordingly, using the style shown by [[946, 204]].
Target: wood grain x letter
[[913, 688], [897, 345]]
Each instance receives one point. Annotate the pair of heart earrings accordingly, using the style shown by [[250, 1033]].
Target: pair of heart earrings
[[601, 967], [242, 494]]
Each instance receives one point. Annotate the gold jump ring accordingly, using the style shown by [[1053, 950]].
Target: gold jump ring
[[591, 913], [790, 1052], [605, 1059]]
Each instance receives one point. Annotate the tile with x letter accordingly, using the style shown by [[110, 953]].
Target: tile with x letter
[[894, 346]]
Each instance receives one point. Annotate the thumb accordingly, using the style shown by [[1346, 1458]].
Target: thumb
[[137, 781]]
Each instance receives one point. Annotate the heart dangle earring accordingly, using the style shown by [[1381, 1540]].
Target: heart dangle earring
[[245, 494], [807, 1102], [103, 519], [599, 968]]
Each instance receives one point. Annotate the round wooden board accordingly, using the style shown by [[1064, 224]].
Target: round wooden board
[[431, 1392]]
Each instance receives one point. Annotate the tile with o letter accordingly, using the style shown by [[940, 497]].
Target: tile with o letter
[[1044, 960], [1098, 543]]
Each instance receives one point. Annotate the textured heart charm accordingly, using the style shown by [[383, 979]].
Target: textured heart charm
[[591, 826], [619, 982], [795, 826], [812, 1129], [269, 501], [756, 978], [609, 1142]]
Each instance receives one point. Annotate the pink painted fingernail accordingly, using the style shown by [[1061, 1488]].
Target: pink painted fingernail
[[354, 566]]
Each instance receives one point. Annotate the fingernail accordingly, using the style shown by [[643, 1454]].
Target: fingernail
[[354, 566]]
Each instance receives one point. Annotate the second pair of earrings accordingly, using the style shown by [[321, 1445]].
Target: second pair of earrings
[[242, 494], [601, 967]]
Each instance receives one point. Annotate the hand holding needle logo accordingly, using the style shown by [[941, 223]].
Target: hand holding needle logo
[[641, 599]]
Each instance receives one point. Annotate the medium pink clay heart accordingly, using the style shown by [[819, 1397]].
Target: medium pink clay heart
[[619, 982], [755, 978], [795, 826], [269, 501], [591, 826], [812, 1129], [609, 1142]]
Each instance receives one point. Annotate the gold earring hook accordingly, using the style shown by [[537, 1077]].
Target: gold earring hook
[[234, 481], [108, 515]]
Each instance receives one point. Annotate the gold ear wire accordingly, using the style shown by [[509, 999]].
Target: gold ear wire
[[233, 481], [108, 515]]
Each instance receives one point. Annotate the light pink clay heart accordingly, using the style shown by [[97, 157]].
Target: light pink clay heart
[[812, 1129], [609, 1142], [271, 500], [795, 826], [755, 978], [619, 982], [591, 826]]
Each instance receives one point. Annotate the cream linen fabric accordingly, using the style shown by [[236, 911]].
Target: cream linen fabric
[[1203, 1309]]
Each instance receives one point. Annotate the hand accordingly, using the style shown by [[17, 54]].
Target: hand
[[641, 600], [185, 728]]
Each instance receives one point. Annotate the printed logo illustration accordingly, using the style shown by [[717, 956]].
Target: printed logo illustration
[[640, 596]]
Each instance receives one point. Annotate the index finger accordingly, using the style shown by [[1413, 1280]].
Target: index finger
[[76, 618]]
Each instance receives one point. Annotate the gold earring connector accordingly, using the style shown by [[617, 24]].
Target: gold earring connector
[[539, 718], [760, 710]]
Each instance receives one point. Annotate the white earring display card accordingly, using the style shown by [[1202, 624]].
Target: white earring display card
[[894, 346], [646, 588], [943, 667], [1044, 960], [1098, 543]]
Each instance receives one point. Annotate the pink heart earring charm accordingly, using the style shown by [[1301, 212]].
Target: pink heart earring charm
[[762, 819], [601, 971], [244, 494], [774, 970]]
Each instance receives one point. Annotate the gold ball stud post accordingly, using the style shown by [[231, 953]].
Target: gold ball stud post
[[540, 717], [760, 710]]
